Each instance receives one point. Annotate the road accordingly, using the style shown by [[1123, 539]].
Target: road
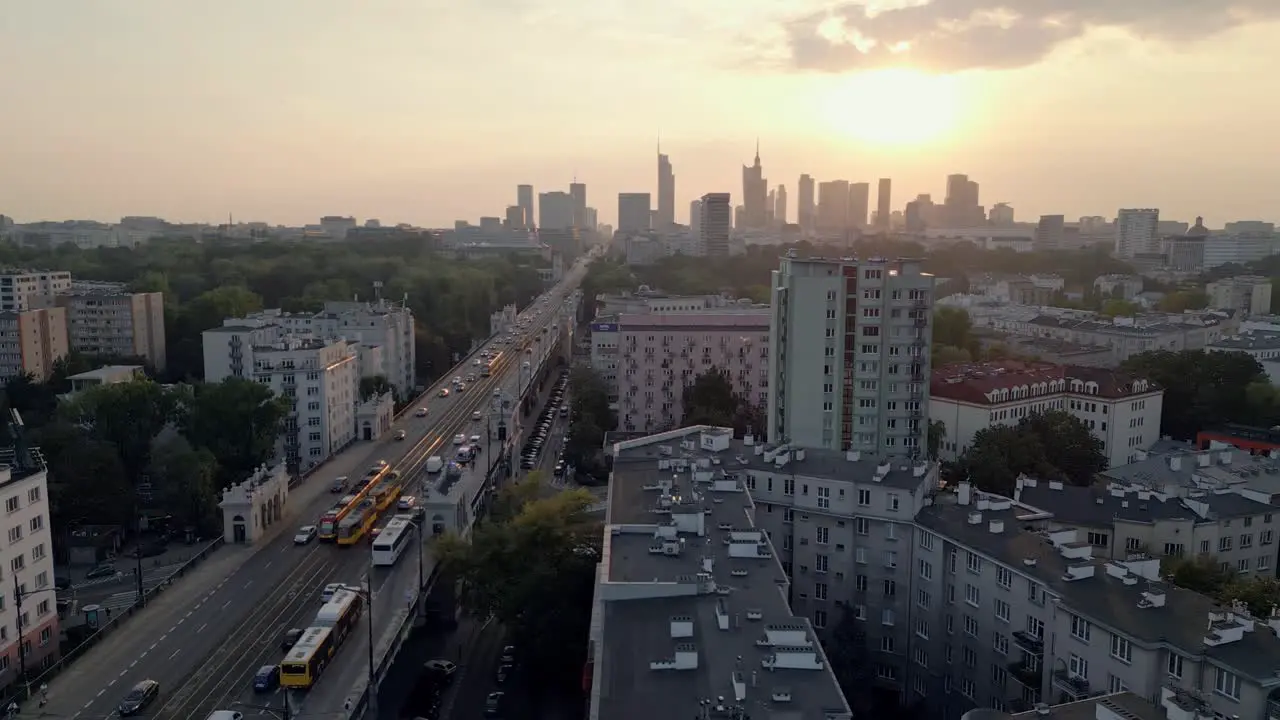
[[205, 660]]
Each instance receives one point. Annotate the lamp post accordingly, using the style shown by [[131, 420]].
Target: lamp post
[[373, 668], [18, 595]]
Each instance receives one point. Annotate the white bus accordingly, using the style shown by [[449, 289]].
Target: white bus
[[392, 541]]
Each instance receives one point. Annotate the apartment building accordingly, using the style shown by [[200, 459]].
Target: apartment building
[[105, 319], [31, 341], [1260, 345], [1120, 410], [29, 618], [1246, 294], [1009, 615], [849, 355], [383, 325], [691, 616], [1124, 336], [18, 288], [659, 355], [321, 377], [1118, 286], [1120, 520]]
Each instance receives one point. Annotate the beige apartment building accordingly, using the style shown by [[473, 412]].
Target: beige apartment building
[[106, 319], [31, 341]]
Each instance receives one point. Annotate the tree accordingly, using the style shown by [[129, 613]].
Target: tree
[[1053, 445], [238, 421], [937, 433], [952, 326], [1202, 389], [534, 573], [1069, 446], [128, 416], [1183, 300], [1259, 594], [375, 385], [943, 355], [1116, 307], [87, 483], [184, 481], [711, 400], [589, 401]]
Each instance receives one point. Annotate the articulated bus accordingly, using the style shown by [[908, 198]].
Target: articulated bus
[[386, 492], [331, 520], [392, 541], [306, 660], [357, 523]]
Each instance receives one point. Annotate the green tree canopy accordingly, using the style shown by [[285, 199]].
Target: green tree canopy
[[127, 416], [1054, 445], [1202, 389], [238, 422], [592, 418], [711, 400]]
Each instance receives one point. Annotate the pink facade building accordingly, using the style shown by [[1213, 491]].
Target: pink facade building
[[658, 355]]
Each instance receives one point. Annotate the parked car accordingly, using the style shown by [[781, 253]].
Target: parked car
[[291, 637], [443, 668], [142, 695], [305, 535], [101, 571], [459, 439], [340, 484], [493, 704]]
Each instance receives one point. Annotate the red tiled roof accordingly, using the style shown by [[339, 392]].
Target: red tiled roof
[[971, 382]]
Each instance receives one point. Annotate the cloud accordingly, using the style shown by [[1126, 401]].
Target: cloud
[[953, 35]]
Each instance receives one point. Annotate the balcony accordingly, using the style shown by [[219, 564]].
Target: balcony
[[1073, 685], [1026, 675], [1028, 642]]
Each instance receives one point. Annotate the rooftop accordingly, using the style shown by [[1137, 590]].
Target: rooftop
[[694, 602], [1142, 325], [1248, 340], [1118, 706], [1101, 506], [1217, 470], [986, 383], [711, 318], [109, 372], [1127, 597]]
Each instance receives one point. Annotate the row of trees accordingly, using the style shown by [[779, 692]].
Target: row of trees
[[1206, 389], [1204, 575], [531, 567], [1053, 445], [204, 283], [591, 419]]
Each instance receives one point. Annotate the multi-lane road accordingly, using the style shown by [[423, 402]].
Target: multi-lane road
[[206, 659]]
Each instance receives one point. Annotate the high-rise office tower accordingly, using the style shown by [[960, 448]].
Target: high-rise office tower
[[859, 204], [515, 218], [578, 192], [633, 212], [714, 228], [849, 355], [1049, 232], [695, 218], [1001, 215], [780, 205], [804, 203], [555, 210], [524, 198], [1137, 232], [961, 207], [755, 193], [770, 206], [884, 211], [833, 206], [666, 193]]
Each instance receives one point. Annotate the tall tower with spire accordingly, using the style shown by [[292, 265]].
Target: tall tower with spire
[[755, 194], [666, 191]]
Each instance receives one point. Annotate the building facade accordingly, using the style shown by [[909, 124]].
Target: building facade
[[1137, 232], [19, 288], [29, 620], [849, 355], [105, 319], [31, 341], [633, 212], [714, 226], [1246, 294]]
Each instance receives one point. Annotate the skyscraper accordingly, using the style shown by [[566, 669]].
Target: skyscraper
[[555, 210], [755, 193], [666, 193], [515, 218], [780, 205], [633, 212], [1001, 215], [578, 191], [859, 205], [1049, 233], [884, 206], [961, 208], [695, 218], [833, 206], [524, 198], [804, 204], [1137, 232], [714, 228]]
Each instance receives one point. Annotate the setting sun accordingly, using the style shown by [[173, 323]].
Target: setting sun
[[893, 107]]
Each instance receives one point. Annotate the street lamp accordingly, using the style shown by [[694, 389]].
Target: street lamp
[[368, 601], [18, 595]]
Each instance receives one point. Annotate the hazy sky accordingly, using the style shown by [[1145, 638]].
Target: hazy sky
[[424, 111]]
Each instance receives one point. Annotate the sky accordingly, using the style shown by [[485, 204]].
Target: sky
[[427, 111]]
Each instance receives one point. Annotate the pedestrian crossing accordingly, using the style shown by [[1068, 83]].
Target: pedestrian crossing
[[159, 571], [121, 600]]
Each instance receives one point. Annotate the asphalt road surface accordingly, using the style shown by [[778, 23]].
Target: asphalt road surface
[[205, 661]]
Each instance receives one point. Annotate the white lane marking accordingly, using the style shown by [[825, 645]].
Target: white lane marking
[[267, 565], [175, 653], [153, 647], [101, 691], [225, 604], [202, 627], [135, 662], [246, 585], [162, 637]]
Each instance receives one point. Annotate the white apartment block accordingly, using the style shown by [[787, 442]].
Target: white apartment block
[[1246, 294], [1238, 248], [26, 562], [105, 319], [321, 377], [1117, 286], [1137, 232], [384, 325], [849, 355], [658, 355], [1260, 345], [18, 288], [1123, 336], [1121, 411]]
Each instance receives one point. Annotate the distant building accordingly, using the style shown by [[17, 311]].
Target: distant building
[[805, 203], [666, 195], [1117, 286], [1246, 294], [524, 198], [1137, 232], [31, 341], [714, 227], [633, 212], [1050, 232], [1001, 215], [555, 210], [884, 206], [105, 375], [28, 561], [106, 320], [22, 289]]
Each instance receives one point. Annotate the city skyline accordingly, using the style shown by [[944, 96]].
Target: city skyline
[[337, 110]]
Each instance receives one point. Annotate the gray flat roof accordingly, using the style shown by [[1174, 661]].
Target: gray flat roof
[[1098, 506], [1101, 597], [1125, 704], [107, 372], [712, 573]]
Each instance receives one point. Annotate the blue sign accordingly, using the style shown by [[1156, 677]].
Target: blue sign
[[604, 327]]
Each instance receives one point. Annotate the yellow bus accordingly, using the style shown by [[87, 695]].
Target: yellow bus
[[306, 660], [387, 492], [331, 520], [358, 523]]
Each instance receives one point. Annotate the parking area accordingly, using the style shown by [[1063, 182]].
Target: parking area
[[544, 443]]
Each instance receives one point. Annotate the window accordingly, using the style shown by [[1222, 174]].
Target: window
[[971, 595], [1098, 539], [1035, 627], [890, 588], [887, 617], [970, 626], [926, 540], [1004, 577], [1121, 649], [1078, 666], [968, 688], [1226, 684], [1079, 628], [1000, 642], [17, 563], [15, 533], [922, 659], [886, 644], [891, 501], [926, 570], [973, 563], [820, 563], [819, 591], [1175, 665], [970, 657], [42, 608], [1002, 610], [1115, 684], [819, 619], [860, 582], [37, 523], [42, 580], [890, 559], [12, 504], [33, 495], [924, 599], [37, 552], [862, 526], [824, 498], [860, 556], [1224, 544], [864, 497], [922, 628], [822, 535]]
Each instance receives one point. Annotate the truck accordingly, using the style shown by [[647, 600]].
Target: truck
[[435, 464]]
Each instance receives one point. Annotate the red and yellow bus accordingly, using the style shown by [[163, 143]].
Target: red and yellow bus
[[387, 491], [357, 523], [331, 520]]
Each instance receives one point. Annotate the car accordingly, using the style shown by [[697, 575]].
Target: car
[[459, 439], [291, 637], [400, 435], [504, 672], [267, 679], [476, 362], [462, 387], [444, 392], [497, 393], [305, 534], [142, 695], [457, 379], [493, 704], [475, 443], [476, 416], [508, 654], [420, 412], [340, 484], [443, 668], [101, 571], [406, 503], [327, 593], [527, 463]]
